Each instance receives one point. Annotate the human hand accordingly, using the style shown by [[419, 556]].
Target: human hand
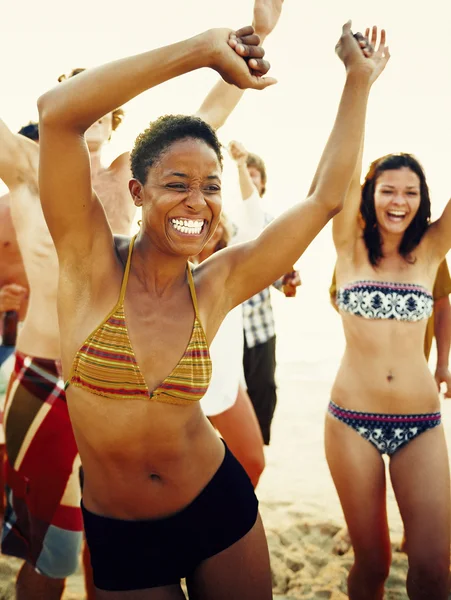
[[290, 282], [12, 296], [238, 58], [443, 375], [266, 16], [238, 152], [359, 55]]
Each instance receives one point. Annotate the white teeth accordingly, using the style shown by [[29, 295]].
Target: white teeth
[[188, 225]]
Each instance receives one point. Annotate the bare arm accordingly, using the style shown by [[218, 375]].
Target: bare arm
[[439, 234], [73, 212], [253, 266], [345, 227], [442, 328], [219, 104], [239, 154], [223, 98], [249, 215], [18, 158]]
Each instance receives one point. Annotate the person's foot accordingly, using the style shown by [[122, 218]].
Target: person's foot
[[342, 542]]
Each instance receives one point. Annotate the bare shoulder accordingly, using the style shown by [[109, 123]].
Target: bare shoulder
[[121, 165], [214, 270], [210, 278]]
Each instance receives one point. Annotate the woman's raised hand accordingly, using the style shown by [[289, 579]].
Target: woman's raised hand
[[266, 15], [359, 55], [238, 152], [238, 58]]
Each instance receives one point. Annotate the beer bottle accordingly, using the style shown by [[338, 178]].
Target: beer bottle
[[10, 322], [287, 290]]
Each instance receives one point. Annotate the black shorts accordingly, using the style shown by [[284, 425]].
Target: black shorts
[[135, 555]]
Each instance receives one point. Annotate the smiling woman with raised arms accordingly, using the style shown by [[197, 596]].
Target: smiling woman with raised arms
[[384, 399], [163, 497]]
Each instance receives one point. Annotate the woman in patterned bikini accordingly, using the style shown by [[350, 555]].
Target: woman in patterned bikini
[[384, 399], [163, 498]]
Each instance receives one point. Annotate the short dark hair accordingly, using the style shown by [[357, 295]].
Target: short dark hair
[[421, 221], [31, 131], [253, 160], [117, 115], [151, 144]]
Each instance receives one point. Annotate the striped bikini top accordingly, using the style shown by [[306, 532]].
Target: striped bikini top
[[105, 364], [384, 300]]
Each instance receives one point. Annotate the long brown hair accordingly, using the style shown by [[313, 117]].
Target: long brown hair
[[421, 221]]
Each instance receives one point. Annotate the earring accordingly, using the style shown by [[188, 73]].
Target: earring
[[140, 222]]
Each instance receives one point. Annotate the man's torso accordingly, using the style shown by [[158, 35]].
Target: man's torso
[[39, 335]]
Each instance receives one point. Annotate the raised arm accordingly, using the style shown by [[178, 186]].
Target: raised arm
[[442, 328], [239, 154], [250, 267], [439, 234], [345, 226], [73, 212], [248, 216], [222, 99], [18, 158]]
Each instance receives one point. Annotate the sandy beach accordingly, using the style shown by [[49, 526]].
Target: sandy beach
[[299, 505]]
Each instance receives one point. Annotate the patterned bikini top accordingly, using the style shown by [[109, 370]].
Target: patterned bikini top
[[105, 364], [384, 300]]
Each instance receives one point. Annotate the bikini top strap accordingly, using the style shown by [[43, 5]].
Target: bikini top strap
[[127, 270], [192, 289]]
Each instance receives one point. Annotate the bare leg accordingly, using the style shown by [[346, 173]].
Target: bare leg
[[31, 585], [420, 476], [241, 571], [358, 472], [240, 429]]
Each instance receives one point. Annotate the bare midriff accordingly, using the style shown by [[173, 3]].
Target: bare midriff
[[142, 459], [384, 369]]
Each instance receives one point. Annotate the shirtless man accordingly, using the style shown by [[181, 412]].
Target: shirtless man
[[13, 279], [43, 524]]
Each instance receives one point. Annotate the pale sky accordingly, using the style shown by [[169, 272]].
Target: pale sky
[[288, 124]]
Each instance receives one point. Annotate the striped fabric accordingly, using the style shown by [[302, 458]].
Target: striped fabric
[[105, 364], [42, 522]]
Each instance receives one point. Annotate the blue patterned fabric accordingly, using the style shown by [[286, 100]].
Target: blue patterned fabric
[[382, 300], [386, 432]]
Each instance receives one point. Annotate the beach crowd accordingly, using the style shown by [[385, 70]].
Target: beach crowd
[[140, 351]]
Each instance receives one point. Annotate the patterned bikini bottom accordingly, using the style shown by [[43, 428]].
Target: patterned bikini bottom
[[388, 433]]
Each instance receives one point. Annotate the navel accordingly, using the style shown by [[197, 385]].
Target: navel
[[390, 377]]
